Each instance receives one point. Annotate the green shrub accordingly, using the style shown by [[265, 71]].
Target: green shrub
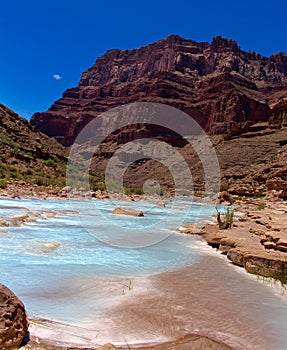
[[229, 215], [228, 218], [3, 183], [14, 175], [259, 194], [27, 171], [2, 174], [260, 206], [97, 186], [51, 162], [133, 190], [40, 181]]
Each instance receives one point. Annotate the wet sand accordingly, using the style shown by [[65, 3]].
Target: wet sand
[[209, 305], [236, 312]]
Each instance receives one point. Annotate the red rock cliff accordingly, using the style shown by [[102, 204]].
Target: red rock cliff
[[218, 84]]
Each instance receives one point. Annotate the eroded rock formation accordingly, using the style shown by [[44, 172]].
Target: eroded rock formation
[[218, 84]]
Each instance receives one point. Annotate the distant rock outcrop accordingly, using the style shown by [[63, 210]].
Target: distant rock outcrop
[[13, 320]]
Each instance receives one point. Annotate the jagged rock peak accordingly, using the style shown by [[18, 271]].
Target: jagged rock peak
[[220, 44], [175, 54]]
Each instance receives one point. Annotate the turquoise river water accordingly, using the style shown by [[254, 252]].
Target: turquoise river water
[[73, 263]]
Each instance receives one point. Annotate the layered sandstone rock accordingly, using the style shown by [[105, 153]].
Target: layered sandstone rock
[[257, 241], [13, 320], [218, 84]]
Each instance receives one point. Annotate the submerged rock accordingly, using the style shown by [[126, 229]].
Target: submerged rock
[[127, 211], [13, 319], [49, 247]]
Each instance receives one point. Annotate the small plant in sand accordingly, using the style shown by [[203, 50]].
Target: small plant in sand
[[228, 218], [127, 286]]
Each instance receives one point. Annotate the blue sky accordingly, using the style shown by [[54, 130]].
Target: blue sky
[[40, 39]]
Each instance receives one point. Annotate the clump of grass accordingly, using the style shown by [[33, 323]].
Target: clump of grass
[[3, 183], [51, 162], [40, 181], [228, 218], [27, 171], [282, 276], [277, 275], [261, 206], [133, 190], [259, 194]]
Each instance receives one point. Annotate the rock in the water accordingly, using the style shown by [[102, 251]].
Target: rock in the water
[[127, 211], [49, 247], [13, 320]]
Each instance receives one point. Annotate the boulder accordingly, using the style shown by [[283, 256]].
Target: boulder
[[13, 320], [225, 197], [127, 211], [67, 189]]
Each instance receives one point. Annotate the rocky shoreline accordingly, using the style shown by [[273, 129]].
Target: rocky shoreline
[[21, 189], [256, 241]]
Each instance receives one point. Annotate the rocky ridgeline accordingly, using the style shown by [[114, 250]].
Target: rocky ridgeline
[[27, 155]]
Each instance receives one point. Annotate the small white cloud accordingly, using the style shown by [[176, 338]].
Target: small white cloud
[[57, 77]]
